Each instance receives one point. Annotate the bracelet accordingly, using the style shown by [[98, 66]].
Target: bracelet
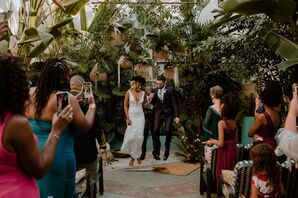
[[93, 106], [56, 136]]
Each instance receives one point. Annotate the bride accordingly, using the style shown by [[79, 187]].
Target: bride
[[135, 120]]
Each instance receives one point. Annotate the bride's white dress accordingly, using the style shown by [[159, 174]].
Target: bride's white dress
[[133, 138]]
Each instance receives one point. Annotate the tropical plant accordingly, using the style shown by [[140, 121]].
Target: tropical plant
[[283, 11]]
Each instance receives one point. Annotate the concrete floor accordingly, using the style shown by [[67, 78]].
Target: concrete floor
[[121, 184]]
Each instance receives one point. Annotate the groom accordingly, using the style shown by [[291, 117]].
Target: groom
[[165, 111]]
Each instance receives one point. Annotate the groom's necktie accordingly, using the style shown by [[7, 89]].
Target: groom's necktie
[[160, 94]]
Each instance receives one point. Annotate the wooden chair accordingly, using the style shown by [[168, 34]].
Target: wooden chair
[[241, 184], [208, 173], [290, 179]]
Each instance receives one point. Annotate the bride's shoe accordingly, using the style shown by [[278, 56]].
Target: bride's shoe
[[139, 161], [131, 162]]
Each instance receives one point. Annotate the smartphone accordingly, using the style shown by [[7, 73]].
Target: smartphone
[[62, 101], [87, 86]]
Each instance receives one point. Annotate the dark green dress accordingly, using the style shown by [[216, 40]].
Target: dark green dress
[[210, 123]]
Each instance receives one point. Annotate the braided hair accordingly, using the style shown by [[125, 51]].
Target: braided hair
[[53, 77], [14, 85]]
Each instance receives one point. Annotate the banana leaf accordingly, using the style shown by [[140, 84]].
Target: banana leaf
[[33, 34], [41, 47], [250, 7], [73, 7], [83, 19], [61, 23], [281, 45], [284, 65], [224, 19]]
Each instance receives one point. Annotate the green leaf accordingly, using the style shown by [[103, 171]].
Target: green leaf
[[40, 48], [61, 23], [83, 19], [284, 65], [281, 45], [250, 7], [73, 6], [4, 46], [224, 19], [33, 34]]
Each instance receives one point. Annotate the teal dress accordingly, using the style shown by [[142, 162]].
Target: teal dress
[[210, 123], [59, 181]]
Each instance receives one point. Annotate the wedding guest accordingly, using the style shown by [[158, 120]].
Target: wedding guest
[[54, 77], [227, 135], [213, 116], [149, 121], [135, 120], [166, 110], [288, 139], [267, 123], [85, 144], [266, 181], [20, 160]]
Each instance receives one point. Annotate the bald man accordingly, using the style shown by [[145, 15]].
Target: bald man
[[85, 144]]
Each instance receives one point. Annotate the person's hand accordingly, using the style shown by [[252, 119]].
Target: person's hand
[[128, 121], [177, 120], [91, 99], [3, 28], [257, 138], [59, 122], [294, 101], [78, 97], [208, 142]]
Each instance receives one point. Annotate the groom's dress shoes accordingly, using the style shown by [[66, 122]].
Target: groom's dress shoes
[[166, 155], [156, 157]]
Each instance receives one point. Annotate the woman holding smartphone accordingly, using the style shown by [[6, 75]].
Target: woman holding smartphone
[[20, 160], [54, 76]]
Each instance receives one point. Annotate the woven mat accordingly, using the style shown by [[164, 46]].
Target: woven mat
[[174, 168]]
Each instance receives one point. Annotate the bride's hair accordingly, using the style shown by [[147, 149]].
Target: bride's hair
[[138, 79]]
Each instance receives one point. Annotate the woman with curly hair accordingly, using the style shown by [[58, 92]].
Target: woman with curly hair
[[268, 121], [54, 76], [20, 159], [227, 135], [266, 181]]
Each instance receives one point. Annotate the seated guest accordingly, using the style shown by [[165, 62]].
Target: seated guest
[[54, 76], [20, 160], [267, 122], [85, 144]]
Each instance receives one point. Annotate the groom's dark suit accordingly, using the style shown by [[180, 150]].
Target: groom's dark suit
[[165, 110]]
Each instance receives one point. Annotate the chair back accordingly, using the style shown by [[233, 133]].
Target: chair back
[[243, 173], [290, 179]]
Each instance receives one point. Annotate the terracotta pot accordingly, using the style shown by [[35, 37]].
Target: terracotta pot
[[160, 56], [169, 73], [144, 70], [99, 76]]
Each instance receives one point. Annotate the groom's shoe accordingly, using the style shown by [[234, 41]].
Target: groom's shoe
[[142, 156], [155, 156], [166, 155]]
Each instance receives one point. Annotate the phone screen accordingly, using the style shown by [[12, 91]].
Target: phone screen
[[87, 86], [62, 101]]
